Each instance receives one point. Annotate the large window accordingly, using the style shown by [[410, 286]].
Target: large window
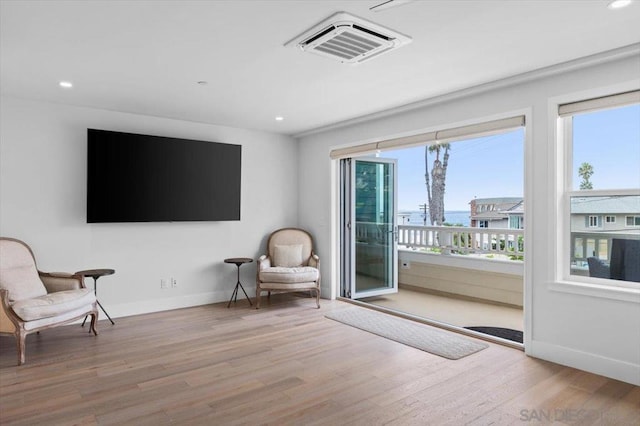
[[602, 183]]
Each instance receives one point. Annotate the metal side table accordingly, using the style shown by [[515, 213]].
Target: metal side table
[[95, 274], [239, 261]]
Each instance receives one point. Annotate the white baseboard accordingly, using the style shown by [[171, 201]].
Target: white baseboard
[[177, 302], [613, 368], [168, 303]]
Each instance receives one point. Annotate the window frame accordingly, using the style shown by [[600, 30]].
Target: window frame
[[565, 281], [636, 218], [519, 221]]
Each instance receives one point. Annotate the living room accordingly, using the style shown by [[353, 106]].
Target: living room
[[131, 72]]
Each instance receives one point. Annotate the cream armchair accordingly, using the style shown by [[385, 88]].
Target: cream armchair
[[289, 265], [32, 300]]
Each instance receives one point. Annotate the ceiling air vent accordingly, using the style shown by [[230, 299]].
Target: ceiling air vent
[[349, 39]]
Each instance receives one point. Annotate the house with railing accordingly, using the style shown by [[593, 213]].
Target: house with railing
[[596, 221]]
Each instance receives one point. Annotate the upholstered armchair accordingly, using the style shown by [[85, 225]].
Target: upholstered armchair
[[289, 265], [32, 300]]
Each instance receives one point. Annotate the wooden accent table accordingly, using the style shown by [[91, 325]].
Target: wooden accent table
[[239, 261], [95, 274]]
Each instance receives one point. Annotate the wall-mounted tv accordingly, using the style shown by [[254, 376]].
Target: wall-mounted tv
[[142, 178]]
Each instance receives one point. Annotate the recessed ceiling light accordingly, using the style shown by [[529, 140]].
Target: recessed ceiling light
[[66, 84], [279, 118], [618, 4]]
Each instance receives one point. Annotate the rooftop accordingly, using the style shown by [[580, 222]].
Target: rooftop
[[610, 204]]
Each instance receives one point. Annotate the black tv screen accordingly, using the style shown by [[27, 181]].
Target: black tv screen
[[142, 178]]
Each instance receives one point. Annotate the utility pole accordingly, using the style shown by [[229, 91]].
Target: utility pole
[[423, 207]]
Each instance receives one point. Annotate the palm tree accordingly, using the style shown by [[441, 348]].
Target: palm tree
[[436, 182], [585, 171]]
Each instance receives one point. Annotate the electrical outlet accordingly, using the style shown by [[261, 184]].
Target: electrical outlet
[[174, 282], [405, 265], [163, 283]]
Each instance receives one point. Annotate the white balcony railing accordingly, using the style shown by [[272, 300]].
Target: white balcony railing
[[459, 239], [447, 239]]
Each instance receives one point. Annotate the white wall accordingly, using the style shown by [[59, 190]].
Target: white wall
[[43, 153], [591, 333]]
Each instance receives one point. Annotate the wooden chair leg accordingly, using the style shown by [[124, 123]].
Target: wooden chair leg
[[21, 337], [94, 323], [318, 297], [258, 291]]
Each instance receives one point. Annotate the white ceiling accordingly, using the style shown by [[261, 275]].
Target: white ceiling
[[146, 56]]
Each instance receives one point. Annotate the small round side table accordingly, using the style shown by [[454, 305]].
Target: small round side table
[[239, 261], [95, 274]]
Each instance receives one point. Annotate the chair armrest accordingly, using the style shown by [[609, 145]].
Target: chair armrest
[[264, 262], [314, 261], [61, 281]]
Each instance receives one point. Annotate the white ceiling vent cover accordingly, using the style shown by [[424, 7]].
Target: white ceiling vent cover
[[348, 39]]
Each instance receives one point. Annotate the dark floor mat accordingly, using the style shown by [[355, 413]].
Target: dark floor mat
[[503, 333]]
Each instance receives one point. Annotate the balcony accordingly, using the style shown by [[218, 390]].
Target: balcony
[[480, 263], [455, 275]]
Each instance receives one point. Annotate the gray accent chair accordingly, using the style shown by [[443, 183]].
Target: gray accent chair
[[31, 300], [289, 265], [597, 268]]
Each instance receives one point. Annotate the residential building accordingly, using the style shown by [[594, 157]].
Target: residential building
[[596, 220], [503, 212]]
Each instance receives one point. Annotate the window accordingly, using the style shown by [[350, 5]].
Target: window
[[601, 180], [633, 220], [516, 222], [483, 224], [578, 245]]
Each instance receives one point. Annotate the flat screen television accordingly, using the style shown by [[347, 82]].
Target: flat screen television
[[143, 178]]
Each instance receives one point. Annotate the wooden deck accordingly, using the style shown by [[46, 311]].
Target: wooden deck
[[285, 364]]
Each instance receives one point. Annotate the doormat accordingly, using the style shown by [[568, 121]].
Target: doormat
[[503, 333], [420, 336]]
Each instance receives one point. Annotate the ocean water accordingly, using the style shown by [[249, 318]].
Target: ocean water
[[460, 217]]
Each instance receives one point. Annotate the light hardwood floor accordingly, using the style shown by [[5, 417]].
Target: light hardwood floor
[[285, 364]]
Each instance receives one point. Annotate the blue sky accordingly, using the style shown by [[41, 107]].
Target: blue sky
[[610, 141], [493, 166]]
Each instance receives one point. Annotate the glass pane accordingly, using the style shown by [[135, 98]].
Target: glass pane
[[603, 249], [611, 250], [374, 226], [591, 247], [578, 248], [606, 149]]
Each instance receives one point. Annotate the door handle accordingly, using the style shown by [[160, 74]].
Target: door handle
[[394, 231]]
